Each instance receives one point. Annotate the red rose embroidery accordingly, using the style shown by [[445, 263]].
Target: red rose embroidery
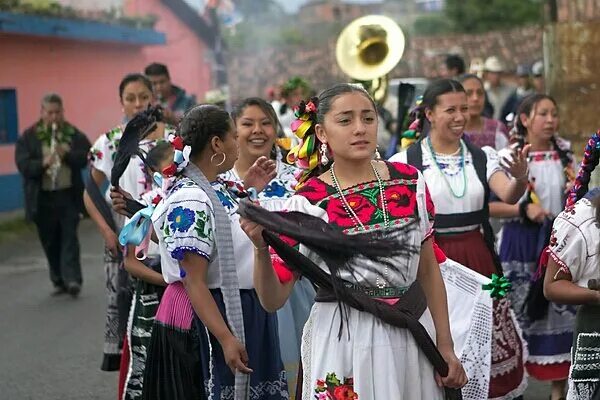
[[362, 207], [314, 190], [344, 392], [408, 171], [401, 201]]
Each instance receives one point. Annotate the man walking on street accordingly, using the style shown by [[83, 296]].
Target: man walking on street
[[50, 155]]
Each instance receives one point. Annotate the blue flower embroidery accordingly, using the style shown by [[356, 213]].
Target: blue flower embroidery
[[225, 200], [274, 189], [181, 219]]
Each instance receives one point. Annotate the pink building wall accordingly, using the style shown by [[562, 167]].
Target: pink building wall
[[85, 74], [185, 54]]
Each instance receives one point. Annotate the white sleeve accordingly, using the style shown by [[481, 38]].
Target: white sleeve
[[492, 165], [399, 157]]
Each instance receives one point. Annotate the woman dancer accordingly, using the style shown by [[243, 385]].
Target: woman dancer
[[573, 264], [448, 163], [367, 358], [547, 327], [256, 124], [135, 93], [210, 332]]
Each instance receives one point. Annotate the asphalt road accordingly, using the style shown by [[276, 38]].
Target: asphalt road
[[51, 347]]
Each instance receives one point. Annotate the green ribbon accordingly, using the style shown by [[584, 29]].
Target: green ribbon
[[498, 287]]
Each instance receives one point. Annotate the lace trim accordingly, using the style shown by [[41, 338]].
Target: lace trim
[[306, 356]]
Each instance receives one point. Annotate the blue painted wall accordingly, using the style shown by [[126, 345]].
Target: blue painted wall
[[11, 197]]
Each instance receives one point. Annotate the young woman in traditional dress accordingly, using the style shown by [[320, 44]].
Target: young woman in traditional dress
[[459, 176], [547, 327], [575, 261], [211, 337], [256, 124], [135, 93], [368, 358], [480, 130]]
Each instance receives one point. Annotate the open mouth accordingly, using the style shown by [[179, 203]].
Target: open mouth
[[257, 142]]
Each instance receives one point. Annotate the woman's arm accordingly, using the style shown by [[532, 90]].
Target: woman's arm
[[499, 209], [271, 292], [559, 288], [110, 237], [196, 270], [430, 278], [509, 190], [137, 268]]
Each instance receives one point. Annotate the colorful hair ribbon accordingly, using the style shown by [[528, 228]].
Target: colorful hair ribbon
[[591, 156], [306, 154]]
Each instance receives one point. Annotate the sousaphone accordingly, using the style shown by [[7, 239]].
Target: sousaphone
[[368, 49]]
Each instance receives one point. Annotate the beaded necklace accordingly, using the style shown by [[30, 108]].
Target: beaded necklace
[[380, 281], [349, 209], [464, 172]]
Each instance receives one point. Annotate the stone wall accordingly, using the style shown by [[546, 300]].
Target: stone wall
[[251, 73]]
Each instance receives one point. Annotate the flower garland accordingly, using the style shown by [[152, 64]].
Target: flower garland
[[65, 133], [591, 157]]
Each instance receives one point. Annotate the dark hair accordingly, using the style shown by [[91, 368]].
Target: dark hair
[[133, 78], [266, 108], [155, 69], [324, 101], [454, 61], [519, 135], [328, 96], [201, 123], [465, 77], [430, 99], [52, 98], [157, 154]]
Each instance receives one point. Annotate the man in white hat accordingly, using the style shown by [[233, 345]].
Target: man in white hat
[[497, 91]]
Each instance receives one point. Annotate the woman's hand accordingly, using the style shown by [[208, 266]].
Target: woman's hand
[[118, 196], [517, 165], [457, 376], [111, 241], [260, 173], [235, 355], [254, 232], [536, 213]]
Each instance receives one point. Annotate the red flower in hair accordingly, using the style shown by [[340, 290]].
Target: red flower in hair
[[170, 170], [311, 107], [177, 143]]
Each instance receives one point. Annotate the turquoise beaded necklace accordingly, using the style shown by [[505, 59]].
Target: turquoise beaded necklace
[[462, 162]]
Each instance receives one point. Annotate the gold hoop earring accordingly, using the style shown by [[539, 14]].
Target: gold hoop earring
[[222, 161]]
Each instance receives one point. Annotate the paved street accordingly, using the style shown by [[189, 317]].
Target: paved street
[[51, 346]]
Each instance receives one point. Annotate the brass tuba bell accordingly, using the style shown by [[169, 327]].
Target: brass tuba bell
[[368, 49]]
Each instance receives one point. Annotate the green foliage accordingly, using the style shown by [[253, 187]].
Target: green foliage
[[51, 8], [432, 25], [473, 16]]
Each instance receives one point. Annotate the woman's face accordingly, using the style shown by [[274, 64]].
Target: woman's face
[[228, 146], [136, 97], [350, 127], [543, 121], [475, 96], [449, 116], [255, 133]]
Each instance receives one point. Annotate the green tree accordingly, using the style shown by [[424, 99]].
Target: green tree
[[480, 16]]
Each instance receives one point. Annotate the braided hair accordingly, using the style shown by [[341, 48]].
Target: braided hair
[[591, 157], [200, 124]]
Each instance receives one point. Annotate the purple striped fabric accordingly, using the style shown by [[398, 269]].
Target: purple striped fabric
[[175, 308]]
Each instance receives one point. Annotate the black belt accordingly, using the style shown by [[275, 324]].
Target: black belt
[[445, 221]]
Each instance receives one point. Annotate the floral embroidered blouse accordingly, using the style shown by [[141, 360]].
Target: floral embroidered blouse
[[135, 179], [407, 199], [184, 221], [575, 241]]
